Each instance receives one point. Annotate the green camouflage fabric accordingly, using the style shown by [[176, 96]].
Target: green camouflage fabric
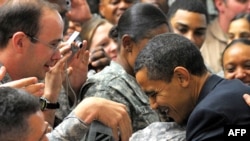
[[64, 108], [114, 83], [160, 131], [65, 105], [71, 129]]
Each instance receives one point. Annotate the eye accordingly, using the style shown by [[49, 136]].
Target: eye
[[104, 45], [114, 2], [230, 69], [247, 65], [182, 30], [242, 1], [230, 36], [129, 1], [54, 44], [244, 35], [151, 94], [199, 32]]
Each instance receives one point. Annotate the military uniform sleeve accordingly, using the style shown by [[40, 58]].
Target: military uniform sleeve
[[71, 129]]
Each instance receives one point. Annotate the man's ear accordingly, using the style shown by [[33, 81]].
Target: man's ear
[[127, 43], [19, 40], [219, 5], [182, 76]]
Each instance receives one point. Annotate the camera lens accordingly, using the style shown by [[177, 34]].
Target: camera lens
[[79, 44]]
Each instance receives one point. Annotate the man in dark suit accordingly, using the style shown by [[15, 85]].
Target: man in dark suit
[[171, 71]]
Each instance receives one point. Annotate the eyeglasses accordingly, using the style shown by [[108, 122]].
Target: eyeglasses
[[52, 46]]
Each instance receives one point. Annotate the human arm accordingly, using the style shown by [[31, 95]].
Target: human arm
[[53, 83], [90, 109], [29, 84]]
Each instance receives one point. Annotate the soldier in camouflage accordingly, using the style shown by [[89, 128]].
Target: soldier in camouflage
[[117, 82]]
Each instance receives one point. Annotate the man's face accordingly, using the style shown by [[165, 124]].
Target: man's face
[[169, 97], [113, 9], [233, 7], [42, 54], [191, 25], [37, 127]]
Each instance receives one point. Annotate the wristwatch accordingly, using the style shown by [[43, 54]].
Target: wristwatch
[[45, 104]]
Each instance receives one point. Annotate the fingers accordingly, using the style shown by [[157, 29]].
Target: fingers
[[99, 59], [35, 89], [22, 82], [101, 62], [115, 134], [247, 98], [125, 127], [98, 53], [29, 84]]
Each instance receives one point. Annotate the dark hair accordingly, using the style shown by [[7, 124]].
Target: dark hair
[[244, 41], [16, 106], [22, 16], [196, 6], [94, 6], [242, 15], [138, 21], [166, 51]]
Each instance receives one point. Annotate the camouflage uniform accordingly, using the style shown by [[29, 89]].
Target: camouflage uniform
[[160, 131], [71, 129], [114, 83]]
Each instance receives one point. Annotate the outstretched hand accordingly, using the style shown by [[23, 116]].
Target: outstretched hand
[[29, 84]]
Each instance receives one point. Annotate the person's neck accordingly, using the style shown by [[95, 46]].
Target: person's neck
[[199, 82], [224, 23], [124, 63]]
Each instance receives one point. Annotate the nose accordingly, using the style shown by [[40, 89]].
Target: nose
[[190, 36], [113, 46], [153, 104], [240, 74], [56, 55]]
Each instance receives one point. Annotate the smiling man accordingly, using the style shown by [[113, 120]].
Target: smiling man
[[171, 71]]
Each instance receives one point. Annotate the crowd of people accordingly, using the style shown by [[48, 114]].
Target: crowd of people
[[146, 69]]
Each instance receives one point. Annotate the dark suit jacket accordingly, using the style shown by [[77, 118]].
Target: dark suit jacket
[[220, 103]]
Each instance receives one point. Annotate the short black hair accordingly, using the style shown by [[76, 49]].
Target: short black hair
[[16, 106], [166, 51], [196, 6]]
